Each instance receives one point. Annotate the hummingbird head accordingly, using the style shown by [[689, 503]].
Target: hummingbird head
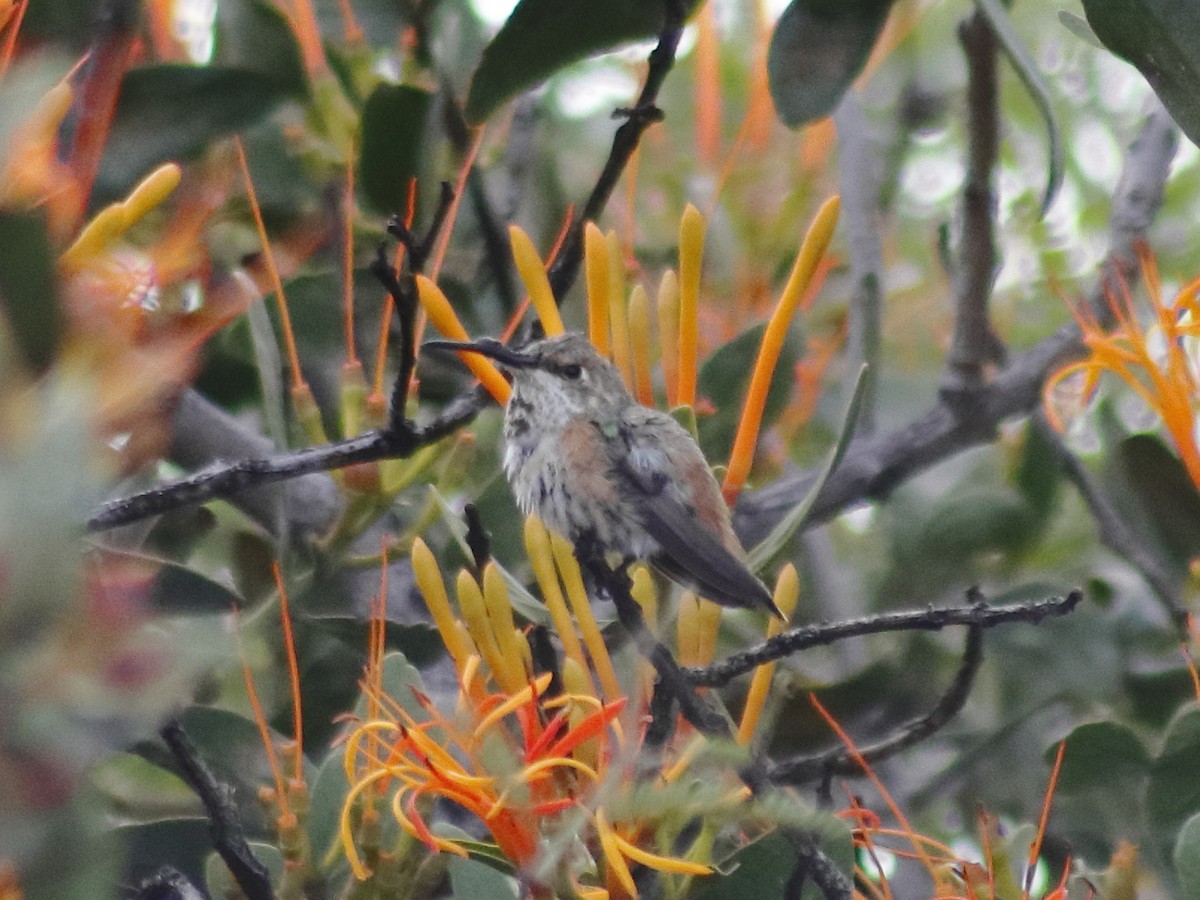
[[554, 378]]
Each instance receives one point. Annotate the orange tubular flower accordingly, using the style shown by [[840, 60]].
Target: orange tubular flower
[[1157, 362]]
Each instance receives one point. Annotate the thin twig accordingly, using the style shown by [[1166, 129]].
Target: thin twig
[[637, 119], [795, 639], [974, 344], [840, 761], [229, 838], [1114, 530]]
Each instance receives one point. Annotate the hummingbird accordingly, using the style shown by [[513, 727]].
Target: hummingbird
[[595, 465]]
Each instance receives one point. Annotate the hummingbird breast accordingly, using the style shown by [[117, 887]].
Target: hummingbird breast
[[565, 477]]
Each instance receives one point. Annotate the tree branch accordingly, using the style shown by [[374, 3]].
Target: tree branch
[[229, 839], [974, 344], [978, 614], [1114, 530], [874, 466], [644, 114], [839, 761]]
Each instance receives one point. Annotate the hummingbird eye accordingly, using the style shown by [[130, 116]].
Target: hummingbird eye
[[572, 371]]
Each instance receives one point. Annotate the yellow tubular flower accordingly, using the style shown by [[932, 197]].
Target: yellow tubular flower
[[443, 317], [433, 590], [639, 344], [617, 320], [816, 241], [668, 334], [596, 264], [508, 639], [117, 218], [787, 592], [612, 854], [687, 629], [691, 256], [564, 556], [533, 273], [708, 626], [541, 559], [576, 680], [470, 601]]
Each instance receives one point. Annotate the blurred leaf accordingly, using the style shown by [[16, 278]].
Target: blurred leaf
[[1165, 493], [256, 36], [218, 880], [419, 642], [1173, 794], [28, 289], [328, 792], [760, 869], [1098, 755], [182, 843], [543, 36], [774, 542], [178, 589], [471, 878], [269, 363], [1039, 473], [172, 112], [1161, 38], [393, 136], [1031, 76], [400, 680], [817, 50], [1079, 27], [724, 378], [1187, 859]]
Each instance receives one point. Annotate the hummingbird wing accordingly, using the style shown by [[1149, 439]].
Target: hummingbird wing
[[665, 485]]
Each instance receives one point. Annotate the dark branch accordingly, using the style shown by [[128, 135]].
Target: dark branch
[[644, 114], [839, 761], [874, 466], [227, 480], [795, 639], [229, 838], [617, 585], [812, 863], [1114, 530], [478, 539], [974, 344]]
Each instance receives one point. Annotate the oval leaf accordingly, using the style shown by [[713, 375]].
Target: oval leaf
[[28, 288], [818, 49], [1098, 755], [1173, 794], [1161, 38], [1187, 858], [393, 132], [543, 36]]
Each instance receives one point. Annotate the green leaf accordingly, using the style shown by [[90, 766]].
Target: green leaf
[[1098, 755], [401, 681], [393, 135], [255, 35], [182, 843], [172, 112], [1173, 794], [774, 542], [1022, 60], [328, 792], [724, 378], [816, 52], [760, 869], [471, 878], [1165, 492], [543, 36], [1161, 38], [176, 589], [28, 289], [1080, 28], [1187, 858]]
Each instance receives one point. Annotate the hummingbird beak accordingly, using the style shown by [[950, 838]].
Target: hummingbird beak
[[488, 347]]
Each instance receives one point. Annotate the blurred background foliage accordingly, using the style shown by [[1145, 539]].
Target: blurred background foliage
[[106, 637]]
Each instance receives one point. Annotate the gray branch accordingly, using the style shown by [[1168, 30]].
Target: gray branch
[[875, 465]]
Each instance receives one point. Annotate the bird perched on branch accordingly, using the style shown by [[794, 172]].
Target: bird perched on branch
[[600, 468]]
